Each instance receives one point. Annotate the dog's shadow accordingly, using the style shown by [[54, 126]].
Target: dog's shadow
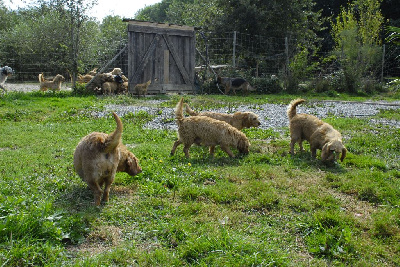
[[77, 199], [303, 160]]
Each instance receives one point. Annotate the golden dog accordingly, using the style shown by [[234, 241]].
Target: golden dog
[[141, 88], [54, 85], [97, 158], [319, 134], [207, 132], [239, 119]]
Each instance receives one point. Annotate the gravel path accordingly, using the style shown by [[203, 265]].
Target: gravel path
[[271, 115]]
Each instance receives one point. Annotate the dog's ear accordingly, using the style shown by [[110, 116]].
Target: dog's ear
[[243, 147], [132, 166], [344, 152], [325, 152]]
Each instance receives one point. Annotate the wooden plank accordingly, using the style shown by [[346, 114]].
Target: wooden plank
[[144, 60], [166, 66], [170, 31], [170, 88], [177, 59]]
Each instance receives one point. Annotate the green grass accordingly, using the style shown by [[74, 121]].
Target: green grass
[[267, 208]]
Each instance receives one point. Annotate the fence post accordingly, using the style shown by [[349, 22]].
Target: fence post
[[287, 54], [234, 50], [383, 61]]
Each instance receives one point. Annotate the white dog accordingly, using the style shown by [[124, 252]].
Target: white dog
[[5, 72]]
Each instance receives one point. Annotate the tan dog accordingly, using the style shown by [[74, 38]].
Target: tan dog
[[54, 85], [97, 158], [235, 84], [239, 119], [84, 78], [207, 132], [319, 134], [141, 88], [109, 88]]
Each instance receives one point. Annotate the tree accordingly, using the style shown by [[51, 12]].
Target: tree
[[356, 32]]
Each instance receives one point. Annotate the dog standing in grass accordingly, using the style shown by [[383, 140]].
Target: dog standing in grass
[[319, 134], [5, 72], [239, 119], [97, 158], [207, 132], [54, 85], [235, 84], [141, 88]]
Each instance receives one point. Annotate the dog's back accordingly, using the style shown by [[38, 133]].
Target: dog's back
[[96, 145], [208, 132], [302, 126]]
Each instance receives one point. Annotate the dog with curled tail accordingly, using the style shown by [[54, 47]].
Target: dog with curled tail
[[319, 134], [99, 156]]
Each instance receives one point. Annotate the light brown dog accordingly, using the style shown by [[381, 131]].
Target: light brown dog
[[141, 88], [97, 158], [207, 132], [109, 88], [239, 119], [84, 78], [235, 84], [54, 85], [319, 134]]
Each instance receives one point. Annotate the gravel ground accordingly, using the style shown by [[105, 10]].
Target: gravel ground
[[271, 115], [29, 87]]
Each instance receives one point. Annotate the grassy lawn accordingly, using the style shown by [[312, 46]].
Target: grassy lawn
[[267, 208]]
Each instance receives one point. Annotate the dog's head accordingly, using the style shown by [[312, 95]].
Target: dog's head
[[331, 151], [6, 70], [59, 78], [248, 119], [243, 146], [116, 71], [129, 163]]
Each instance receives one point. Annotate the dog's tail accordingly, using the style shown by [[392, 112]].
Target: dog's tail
[[291, 110], [179, 111], [41, 77], [114, 139], [190, 111]]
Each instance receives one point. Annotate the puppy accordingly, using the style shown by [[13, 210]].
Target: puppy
[[54, 85], [5, 72], [97, 158], [239, 120], [207, 132], [141, 88], [319, 134], [235, 84]]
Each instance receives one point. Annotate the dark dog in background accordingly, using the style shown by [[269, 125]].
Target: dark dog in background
[[5, 72], [234, 84]]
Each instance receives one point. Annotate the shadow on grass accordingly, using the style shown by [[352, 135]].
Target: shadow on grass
[[305, 161]]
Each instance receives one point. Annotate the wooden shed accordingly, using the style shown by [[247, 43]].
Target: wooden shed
[[162, 53]]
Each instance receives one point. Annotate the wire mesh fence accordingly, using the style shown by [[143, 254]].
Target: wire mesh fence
[[258, 56]]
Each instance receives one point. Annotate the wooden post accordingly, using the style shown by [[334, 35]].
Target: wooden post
[[166, 66], [234, 50], [287, 54], [383, 61]]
